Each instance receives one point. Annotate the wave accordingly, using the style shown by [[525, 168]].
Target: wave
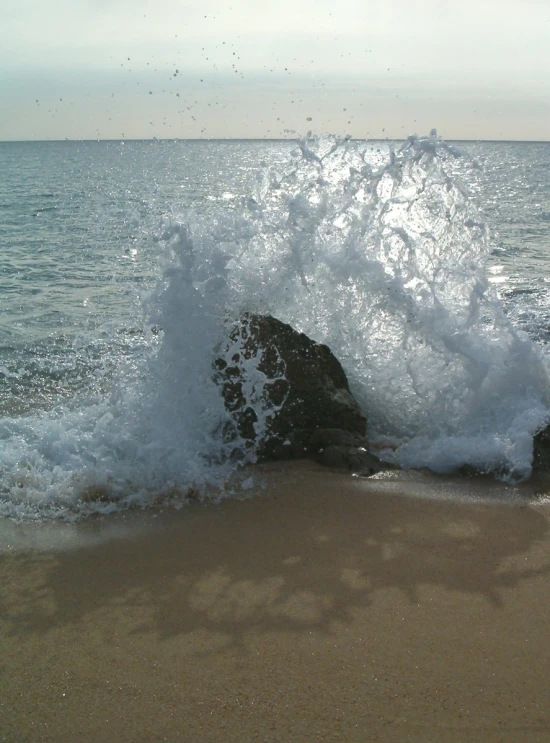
[[378, 252]]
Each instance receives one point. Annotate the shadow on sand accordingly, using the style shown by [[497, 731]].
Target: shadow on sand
[[303, 556]]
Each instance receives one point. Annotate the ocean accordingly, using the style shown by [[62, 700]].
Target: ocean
[[424, 265]]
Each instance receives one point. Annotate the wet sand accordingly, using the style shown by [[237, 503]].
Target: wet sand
[[324, 609]]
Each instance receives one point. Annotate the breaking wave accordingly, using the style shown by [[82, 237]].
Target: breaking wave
[[380, 254]]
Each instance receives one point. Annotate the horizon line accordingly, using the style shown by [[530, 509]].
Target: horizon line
[[260, 139]]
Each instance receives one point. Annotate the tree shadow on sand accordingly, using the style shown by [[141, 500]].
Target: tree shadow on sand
[[299, 561]]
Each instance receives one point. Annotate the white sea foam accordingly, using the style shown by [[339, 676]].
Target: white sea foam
[[382, 256], [386, 263]]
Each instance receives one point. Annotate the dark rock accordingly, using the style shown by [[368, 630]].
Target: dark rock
[[303, 388], [349, 459], [323, 437], [541, 449]]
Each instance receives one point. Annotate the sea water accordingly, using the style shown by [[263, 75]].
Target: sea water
[[423, 265]]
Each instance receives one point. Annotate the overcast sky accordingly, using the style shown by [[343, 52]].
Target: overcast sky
[[242, 68]]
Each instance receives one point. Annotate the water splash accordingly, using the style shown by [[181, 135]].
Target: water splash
[[380, 254], [383, 257]]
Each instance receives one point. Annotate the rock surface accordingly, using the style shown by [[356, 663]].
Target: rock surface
[[349, 459], [269, 366], [541, 449]]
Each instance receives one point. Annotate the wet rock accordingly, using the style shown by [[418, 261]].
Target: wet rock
[[349, 459], [269, 366], [541, 450], [323, 437]]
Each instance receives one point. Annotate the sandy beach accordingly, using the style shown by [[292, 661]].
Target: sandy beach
[[325, 608]]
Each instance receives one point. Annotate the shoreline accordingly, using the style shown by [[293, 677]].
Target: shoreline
[[254, 481], [324, 608]]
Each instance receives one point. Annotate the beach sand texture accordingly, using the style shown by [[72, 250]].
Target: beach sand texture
[[326, 609]]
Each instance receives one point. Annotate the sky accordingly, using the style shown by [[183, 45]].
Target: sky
[[113, 69]]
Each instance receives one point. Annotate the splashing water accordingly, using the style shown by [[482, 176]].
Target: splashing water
[[381, 257], [385, 263]]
